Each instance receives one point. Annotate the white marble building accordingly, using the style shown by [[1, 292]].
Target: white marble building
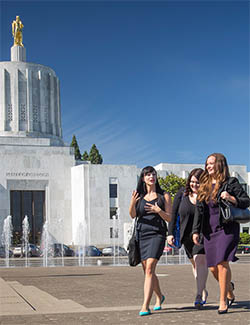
[[39, 176], [35, 176]]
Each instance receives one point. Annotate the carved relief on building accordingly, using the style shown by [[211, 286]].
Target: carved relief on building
[[46, 114], [9, 113], [22, 112], [35, 114]]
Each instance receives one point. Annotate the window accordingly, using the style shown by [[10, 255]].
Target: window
[[113, 190], [114, 233], [113, 212]]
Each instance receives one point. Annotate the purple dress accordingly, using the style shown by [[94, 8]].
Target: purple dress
[[221, 241]]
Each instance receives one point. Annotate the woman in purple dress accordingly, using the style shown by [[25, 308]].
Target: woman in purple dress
[[220, 239]]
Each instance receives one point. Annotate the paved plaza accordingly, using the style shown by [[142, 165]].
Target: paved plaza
[[113, 295]]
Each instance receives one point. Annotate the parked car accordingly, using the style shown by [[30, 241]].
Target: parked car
[[243, 249], [3, 252], [57, 249], [109, 251], [88, 251], [33, 251]]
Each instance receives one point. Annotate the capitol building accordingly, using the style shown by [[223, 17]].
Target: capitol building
[[40, 177]]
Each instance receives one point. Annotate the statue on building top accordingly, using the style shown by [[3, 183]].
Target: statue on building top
[[17, 27]]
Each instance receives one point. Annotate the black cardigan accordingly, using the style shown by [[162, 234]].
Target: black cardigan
[[233, 187], [183, 221]]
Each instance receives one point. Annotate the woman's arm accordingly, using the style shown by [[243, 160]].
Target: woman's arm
[[164, 214], [132, 207], [198, 215], [174, 215], [235, 194]]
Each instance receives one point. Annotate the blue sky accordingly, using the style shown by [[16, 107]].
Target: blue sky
[[146, 81]]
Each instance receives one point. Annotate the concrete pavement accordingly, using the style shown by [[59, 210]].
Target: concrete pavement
[[113, 295]]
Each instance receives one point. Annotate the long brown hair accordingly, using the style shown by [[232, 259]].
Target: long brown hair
[[221, 174]]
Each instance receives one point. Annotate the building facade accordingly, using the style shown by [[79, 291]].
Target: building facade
[[39, 177]]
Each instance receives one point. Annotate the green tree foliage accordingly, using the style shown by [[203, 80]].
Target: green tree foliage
[[74, 144], [94, 155], [85, 156], [171, 183], [244, 238]]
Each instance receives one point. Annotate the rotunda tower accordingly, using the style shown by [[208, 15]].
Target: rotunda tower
[[29, 97]]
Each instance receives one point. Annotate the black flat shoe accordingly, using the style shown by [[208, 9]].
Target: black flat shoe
[[224, 311]]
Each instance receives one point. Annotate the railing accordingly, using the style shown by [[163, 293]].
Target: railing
[[99, 261]]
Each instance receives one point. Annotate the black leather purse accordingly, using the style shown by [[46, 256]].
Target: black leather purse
[[231, 213], [134, 257]]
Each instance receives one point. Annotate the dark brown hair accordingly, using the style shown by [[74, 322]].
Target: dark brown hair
[[196, 173]]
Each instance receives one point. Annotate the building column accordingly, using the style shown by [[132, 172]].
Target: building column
[[29, 101], [52, 105], [3, 103]]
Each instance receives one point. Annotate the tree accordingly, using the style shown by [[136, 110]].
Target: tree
[[94, 155], [85, 156], [244, 238], [74, 144], [172, 184]]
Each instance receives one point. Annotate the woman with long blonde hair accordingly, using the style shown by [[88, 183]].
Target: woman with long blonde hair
[[220, 239]]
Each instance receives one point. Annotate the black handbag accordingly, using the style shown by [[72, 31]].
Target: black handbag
[[231, 213], [134, 257]]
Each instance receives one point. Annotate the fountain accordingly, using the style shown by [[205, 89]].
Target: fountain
[[25, 239], [116, 234], [82, 242], [114, 218], [60, 227], [6, 238], [46, 243]]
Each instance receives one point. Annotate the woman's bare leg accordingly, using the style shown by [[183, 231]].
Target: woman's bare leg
[[150, 283], [215, 272]]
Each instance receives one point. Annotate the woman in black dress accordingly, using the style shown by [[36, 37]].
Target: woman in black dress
[[152, 206], [184, 206], [220, 239]]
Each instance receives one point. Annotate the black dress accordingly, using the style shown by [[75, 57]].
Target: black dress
[[151, 229], [183, 207]]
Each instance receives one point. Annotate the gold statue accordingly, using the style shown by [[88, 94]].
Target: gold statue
[[17, 27]]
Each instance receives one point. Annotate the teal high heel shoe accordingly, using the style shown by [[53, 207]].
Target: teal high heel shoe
[[204, 296], [162, 300], [198, 302], [145, 313]]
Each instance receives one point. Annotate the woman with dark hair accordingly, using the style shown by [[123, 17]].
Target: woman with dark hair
[[220, 239], [184, 206], [152, 206]]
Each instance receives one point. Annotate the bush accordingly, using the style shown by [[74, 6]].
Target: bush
[[244, 238]]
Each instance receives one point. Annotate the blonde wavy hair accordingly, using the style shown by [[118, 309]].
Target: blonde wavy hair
[[206, 190]]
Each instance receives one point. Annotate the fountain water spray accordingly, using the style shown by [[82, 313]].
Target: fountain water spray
[[46, 243], [82, 242], [25, 238], [6, 238], [116, 231]]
